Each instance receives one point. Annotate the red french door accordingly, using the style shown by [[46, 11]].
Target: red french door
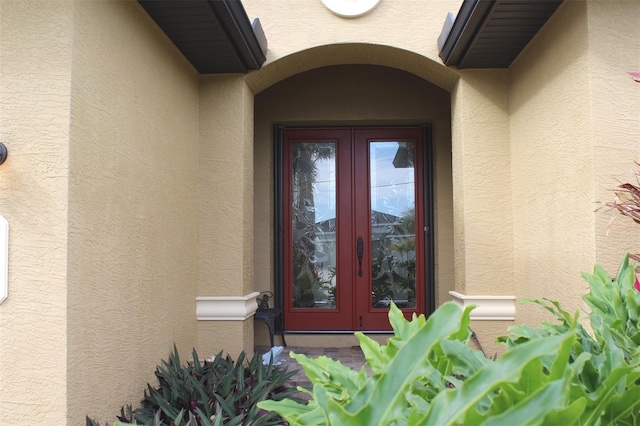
[[353, 227]]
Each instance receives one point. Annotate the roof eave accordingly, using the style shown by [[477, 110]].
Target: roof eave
[[216, 36], [481, 36]]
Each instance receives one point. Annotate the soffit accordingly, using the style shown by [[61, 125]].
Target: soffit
[[492, 33], [216, 36]]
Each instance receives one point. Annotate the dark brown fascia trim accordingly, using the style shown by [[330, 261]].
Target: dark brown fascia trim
[[241, 32], [470, 17], [249, 42]]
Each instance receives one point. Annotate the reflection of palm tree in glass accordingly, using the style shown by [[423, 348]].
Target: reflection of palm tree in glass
[[307, 271], [394, 262]]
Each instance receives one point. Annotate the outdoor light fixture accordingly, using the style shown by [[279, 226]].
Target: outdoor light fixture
[[3, 153]]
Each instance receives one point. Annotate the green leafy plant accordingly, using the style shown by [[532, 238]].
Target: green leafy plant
[[217, 392], [427, 374], [606, 361]]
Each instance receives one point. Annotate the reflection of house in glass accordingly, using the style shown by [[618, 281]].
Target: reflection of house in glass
[[393, 259]]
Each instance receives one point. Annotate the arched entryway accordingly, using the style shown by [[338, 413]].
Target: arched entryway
[[351, 96]]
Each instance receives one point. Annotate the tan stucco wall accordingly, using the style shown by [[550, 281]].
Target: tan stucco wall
[[225, 186], [35, 68], [230, 337], [481, 183], [614, 49], [483, 220], [92, 153], [294, 26], [553, 163], [575, 129], [225, 249], [132, 244], [352, 95], [131, 189]]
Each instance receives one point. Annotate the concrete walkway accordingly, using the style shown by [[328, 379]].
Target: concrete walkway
[[351, 357]]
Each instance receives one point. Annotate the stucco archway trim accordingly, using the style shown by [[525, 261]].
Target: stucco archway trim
[[352, 53]]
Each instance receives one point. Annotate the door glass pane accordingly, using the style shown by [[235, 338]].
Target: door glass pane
[[314, 225], [393, 241]]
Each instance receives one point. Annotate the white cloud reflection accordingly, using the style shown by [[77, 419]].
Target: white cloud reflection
[[392, 188]]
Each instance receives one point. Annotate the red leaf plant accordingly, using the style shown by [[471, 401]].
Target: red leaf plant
[[627, 203]]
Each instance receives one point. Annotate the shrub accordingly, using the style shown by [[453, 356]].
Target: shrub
[[426, 374], [605, 361], [203, 393]]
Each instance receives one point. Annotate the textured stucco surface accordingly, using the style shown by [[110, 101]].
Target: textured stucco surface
[[132, 245], [35, 81], [225, 209], [614, 49], [409, 25], [482, 216], [351, 53], [368, 95], [225, 250], [573, 140], [553, 163], [131, 188], [481, 183], [231, 337]]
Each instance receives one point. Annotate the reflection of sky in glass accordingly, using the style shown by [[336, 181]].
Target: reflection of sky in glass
[[324, 190], [392, 189]]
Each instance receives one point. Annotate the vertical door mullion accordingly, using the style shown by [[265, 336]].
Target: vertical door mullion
[[362, 227]]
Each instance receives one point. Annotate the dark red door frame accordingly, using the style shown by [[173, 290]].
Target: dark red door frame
[[354, 302]]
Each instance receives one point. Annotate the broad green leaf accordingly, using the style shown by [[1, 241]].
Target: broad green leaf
[[559, 366], [383, 399], [507, 396], [466, 361], [602, 396], [375, 356], [288, 409], [625, 272], [568, 415], [449, 407], [622, 406], [534, 408]]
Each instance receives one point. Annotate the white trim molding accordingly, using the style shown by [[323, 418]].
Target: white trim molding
[[226, 308], [488, 308]]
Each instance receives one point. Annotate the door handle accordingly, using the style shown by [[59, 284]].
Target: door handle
[[360, 252]]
